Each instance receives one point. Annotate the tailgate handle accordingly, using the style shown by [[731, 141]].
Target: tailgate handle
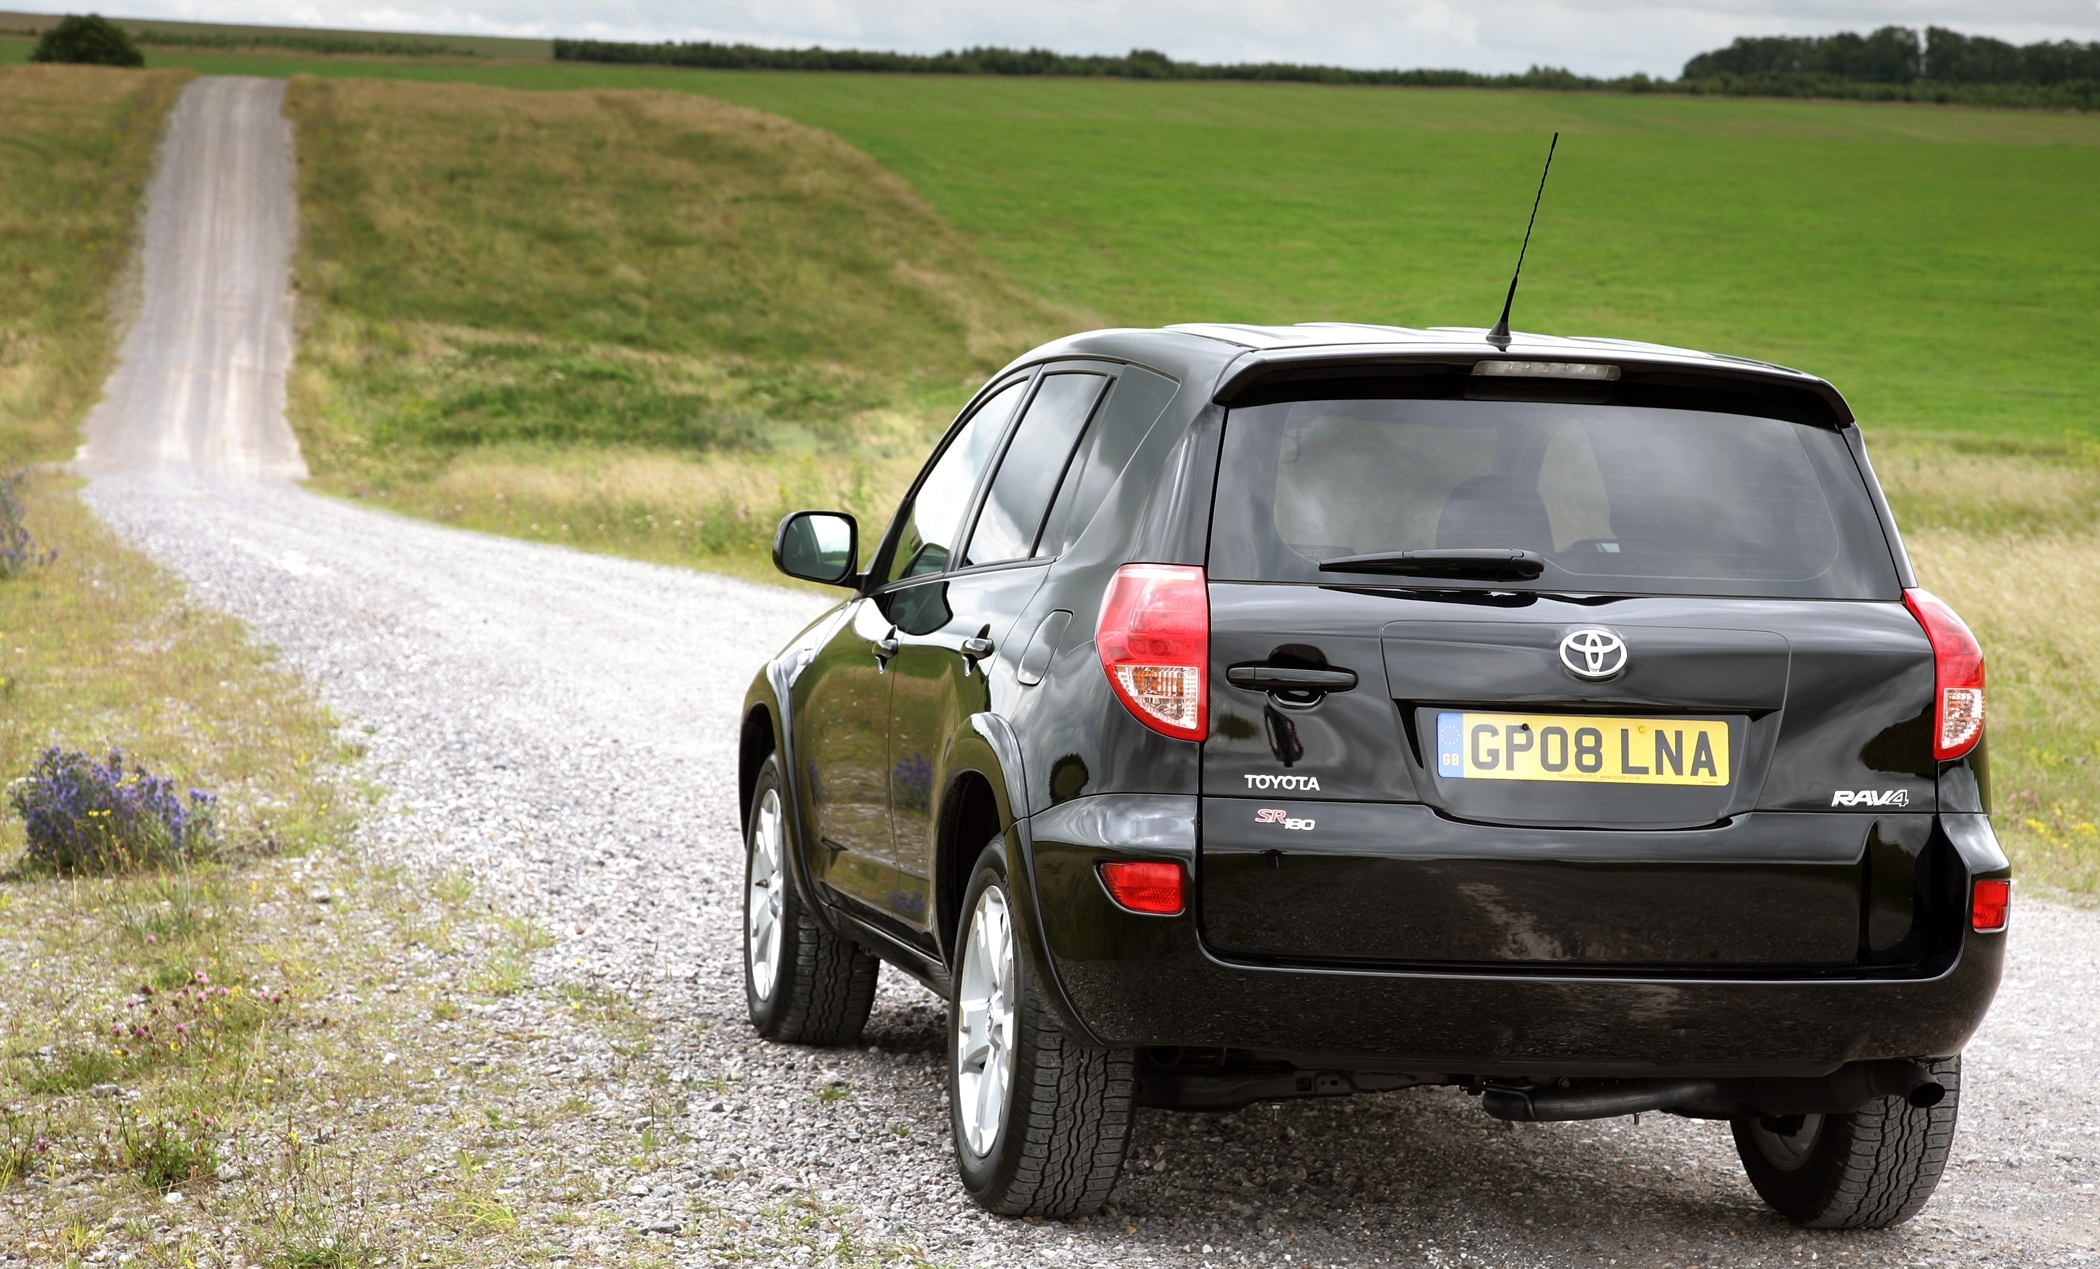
[[1289, 678]]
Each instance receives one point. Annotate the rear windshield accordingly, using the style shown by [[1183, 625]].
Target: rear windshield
[[1617, 499]]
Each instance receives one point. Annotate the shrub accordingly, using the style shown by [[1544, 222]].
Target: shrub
[[82, 816], [91, 41], [18, 553], [163, 1155]]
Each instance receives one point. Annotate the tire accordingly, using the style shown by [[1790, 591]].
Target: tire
[[804, 985], [1869, 1169], [1040, 1121]]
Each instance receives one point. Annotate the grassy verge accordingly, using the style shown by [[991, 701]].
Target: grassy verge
[[75, 152], [101, 650], [296, 1054], [2010, 535], [633, 321]]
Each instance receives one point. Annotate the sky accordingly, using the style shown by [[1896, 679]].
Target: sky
[[1595, 37]]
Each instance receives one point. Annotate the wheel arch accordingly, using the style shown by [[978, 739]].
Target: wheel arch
[[756, 742], [986, 761], [970, 816], [767, 731]]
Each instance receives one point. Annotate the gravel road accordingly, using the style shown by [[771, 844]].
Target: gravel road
[[562, 724]]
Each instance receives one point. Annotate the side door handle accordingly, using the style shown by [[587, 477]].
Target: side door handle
[[885, 648], [1284, 678], [976, 649]]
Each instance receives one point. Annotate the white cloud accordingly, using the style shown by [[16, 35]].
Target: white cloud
[[1591, 36]]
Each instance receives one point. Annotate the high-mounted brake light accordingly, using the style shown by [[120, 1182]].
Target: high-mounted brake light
[[1957, 673], [1153, 887], [1546, 370], [1990, 905], [1154, 642]]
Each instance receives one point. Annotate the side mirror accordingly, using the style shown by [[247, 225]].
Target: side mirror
[[818, 546]]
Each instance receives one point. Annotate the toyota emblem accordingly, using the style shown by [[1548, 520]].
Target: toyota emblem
[[1591, 653]]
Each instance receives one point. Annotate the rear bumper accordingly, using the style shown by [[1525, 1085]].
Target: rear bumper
[[1133, 980]]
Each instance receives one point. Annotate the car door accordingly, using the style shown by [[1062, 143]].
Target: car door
[[845, 714], [950, 624]]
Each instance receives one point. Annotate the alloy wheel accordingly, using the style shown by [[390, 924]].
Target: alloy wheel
[[1788, 1151], [764, 897], [984, 1024]]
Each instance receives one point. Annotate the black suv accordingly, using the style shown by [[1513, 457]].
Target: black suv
[[1241, 713]]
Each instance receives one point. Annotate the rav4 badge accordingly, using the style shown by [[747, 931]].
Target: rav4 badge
[[1870, 797]]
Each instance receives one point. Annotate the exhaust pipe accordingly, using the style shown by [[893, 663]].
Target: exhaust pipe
[[1841, 1092], [1554, 1105]]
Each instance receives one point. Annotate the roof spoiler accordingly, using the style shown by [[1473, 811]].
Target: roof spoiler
[[1262, 378]]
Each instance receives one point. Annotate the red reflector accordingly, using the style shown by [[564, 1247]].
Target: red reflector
[[1154, 641], [1988, 906], [1148, 886], [1957, 672]]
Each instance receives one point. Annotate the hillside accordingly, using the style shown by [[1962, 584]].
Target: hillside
[[564, 314]]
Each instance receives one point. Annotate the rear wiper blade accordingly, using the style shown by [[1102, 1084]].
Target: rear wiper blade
[[1487, 564]]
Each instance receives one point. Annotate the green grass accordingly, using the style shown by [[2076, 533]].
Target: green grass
[[556, 314], [1933, 261], [102, 650]]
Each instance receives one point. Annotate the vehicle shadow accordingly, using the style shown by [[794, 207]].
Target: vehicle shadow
[[1413, 1176]]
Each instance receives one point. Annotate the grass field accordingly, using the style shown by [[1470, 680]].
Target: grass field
[[1932, 260]]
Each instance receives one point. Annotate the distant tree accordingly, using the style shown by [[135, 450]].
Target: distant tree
[[1889, 56], [91, 41]]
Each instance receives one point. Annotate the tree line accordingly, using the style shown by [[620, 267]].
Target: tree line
[[1892, 64], [1898, 55]]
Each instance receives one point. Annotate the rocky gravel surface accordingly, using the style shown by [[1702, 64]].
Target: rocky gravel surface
[[562, 725]]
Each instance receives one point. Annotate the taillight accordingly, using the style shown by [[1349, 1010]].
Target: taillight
[[1152, 887], [1989, 905], [1957, 673], [1154, 641]]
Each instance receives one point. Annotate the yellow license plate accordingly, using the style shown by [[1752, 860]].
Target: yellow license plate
[[1594, 750]]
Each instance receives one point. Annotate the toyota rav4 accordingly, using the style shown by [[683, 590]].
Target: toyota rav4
[[1231, 714]]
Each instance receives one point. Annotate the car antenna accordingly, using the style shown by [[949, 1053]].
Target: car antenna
[[1499, 336]]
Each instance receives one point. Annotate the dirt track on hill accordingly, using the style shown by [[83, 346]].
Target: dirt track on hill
[[563, 724]]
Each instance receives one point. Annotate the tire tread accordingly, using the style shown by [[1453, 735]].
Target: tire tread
[[827, 984], [1078, 1126], [1068, 1125], [1874, 1168], [831, 986]]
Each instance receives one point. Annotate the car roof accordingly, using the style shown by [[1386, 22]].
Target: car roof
[[1232, 355]]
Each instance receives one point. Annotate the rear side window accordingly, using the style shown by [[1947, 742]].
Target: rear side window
[[1133, 406], [1617, 499], [934, 520], [1028, 474]]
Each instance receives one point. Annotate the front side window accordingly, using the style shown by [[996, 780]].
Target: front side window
[[1616, 499], [934, 518], [1035, 460]]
